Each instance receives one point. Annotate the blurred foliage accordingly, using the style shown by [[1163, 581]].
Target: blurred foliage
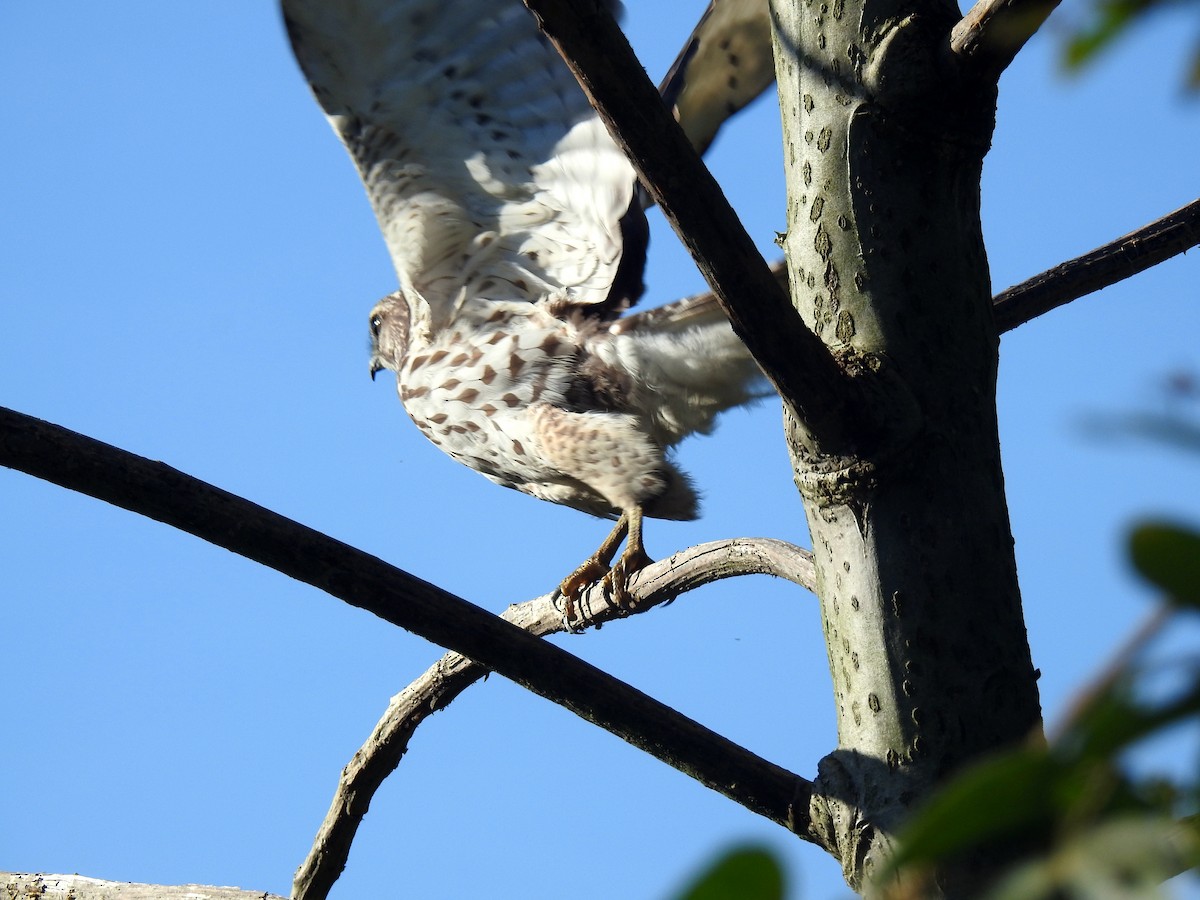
[[1107, 20], [1105, 831], [1092, 825], [1169, 557], [743, 873], [1172, 422]]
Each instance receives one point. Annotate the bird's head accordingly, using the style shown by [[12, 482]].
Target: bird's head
[[389, 324]]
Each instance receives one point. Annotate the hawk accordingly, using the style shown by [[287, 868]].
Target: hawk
[[519, 240]]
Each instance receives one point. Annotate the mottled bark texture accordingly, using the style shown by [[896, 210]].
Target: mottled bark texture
[[884, 138]]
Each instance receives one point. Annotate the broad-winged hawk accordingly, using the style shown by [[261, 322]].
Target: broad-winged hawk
[[519, 242]]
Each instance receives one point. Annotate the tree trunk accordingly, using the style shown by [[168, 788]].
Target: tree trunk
[[884, 140]]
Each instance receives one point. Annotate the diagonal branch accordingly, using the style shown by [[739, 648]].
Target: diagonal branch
[[993, 32], [1117, 260], [659, 583], [157, 491], [797, 362]]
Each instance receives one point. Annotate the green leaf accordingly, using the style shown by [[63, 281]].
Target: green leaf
[[1109, 19], [1168, 556], [1001, 796], [1116, 718], [744, 873]]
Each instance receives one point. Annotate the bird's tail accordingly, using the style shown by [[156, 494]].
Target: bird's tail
[[690, 312], [688, 366], [699, 309]]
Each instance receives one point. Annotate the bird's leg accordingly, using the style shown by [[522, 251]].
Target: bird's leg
[[633, 560], [597, 565]]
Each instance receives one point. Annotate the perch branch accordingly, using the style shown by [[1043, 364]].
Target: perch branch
[[801, 367], [159, 492], [659, 583]]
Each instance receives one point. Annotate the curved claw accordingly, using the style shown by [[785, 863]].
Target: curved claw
[[632, 561], [599, 568], [590, 571], [616, 581], [593, 569], [598, 564]]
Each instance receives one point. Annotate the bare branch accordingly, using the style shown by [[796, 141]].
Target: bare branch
[[1123, 258], [993, 32], [167, 495], [77, 887], [797, 362], [1137, 251], [659, 583]]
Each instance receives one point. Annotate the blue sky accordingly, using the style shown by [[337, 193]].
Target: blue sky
[[188, 264]]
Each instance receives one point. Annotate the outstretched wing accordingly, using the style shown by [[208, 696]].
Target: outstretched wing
[[725, 64], [489, 173]]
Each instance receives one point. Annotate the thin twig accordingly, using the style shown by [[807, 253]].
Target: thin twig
[[1137, 251], [379, 756]]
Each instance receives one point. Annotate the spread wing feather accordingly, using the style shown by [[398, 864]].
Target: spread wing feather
[[489, 173], [726, 63]]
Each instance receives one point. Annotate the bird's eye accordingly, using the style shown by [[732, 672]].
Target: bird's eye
[[376, 324]]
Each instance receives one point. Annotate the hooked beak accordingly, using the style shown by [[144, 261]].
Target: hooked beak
[[375, 367]]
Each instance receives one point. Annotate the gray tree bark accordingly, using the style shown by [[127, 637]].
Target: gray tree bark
[[884, 138]]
